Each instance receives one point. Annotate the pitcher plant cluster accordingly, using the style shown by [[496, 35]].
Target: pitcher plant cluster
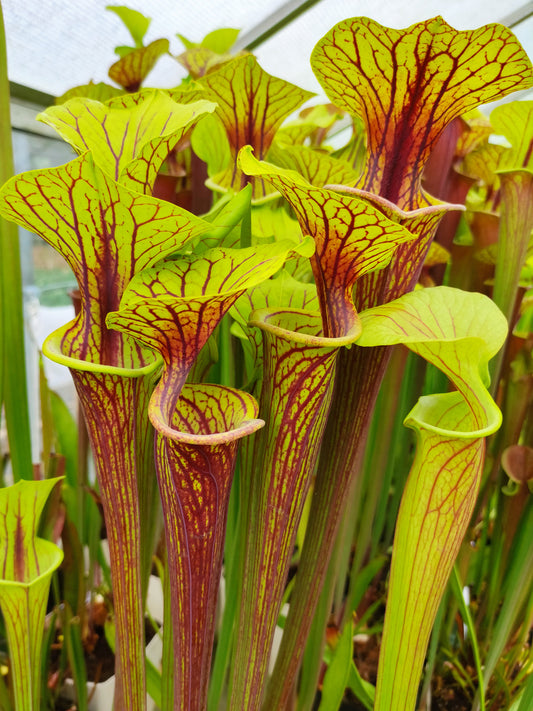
[[258, 312]]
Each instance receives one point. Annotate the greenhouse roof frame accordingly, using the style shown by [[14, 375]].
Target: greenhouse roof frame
[[79, 38]]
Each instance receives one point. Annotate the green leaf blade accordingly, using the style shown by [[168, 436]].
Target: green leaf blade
[[135, 21], [13, 391], [338, 672]]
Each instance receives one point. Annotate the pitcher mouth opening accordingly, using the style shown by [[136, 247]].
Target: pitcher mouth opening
[[232, 415], [391, 210], [148, 362], [303, 327]]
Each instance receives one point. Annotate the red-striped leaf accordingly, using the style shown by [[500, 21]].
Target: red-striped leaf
[[407, 85], [352, 237], [130, 71], [174, 308], [128, 138], [298, 376], [251, 105], [105, 232]]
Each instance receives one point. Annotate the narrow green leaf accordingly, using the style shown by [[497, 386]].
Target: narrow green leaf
[[135, 21], [153, 682], [362, 689], [516, 591], [526, 701], [76, 658], [13, 391], [67, 436], [246, 227], [363, 579], [49, 635], [338, 672], [224, 219], [469, 622], [311, 665], [224, 635], [74, 583]]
